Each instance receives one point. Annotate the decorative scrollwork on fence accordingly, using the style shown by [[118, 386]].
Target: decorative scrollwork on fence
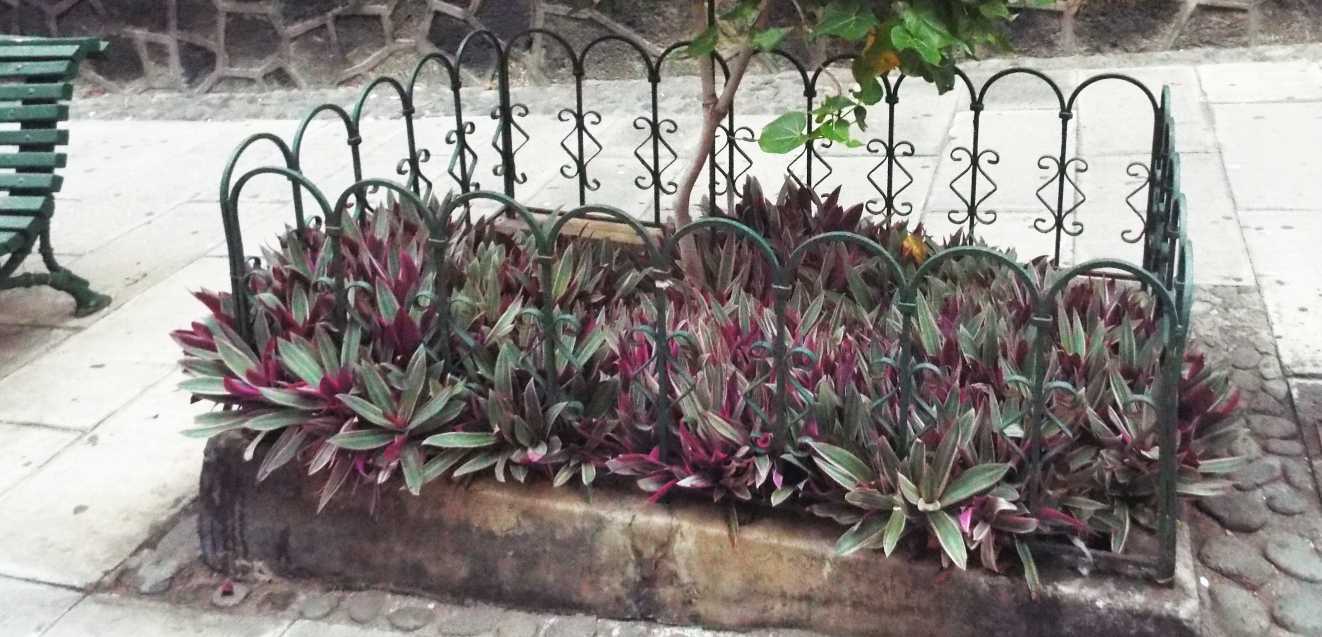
[[403, 169], [578, 164], [890, 193], [518, 139], [729, 144], [464, 157], [658, 134], [1062, 217], [1140, 170], [973, 212]]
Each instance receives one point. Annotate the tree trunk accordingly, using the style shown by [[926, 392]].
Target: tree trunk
[[714, 108]]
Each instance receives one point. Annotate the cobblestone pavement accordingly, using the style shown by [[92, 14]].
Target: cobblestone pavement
[[96, 489]]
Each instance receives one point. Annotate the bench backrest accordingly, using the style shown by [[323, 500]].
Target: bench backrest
[[36, 83]]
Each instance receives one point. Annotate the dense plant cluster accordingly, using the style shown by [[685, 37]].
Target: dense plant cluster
[[388, 391]]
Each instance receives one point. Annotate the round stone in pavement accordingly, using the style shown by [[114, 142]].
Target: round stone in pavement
[[1240, 612], [1282, 447], [1238, 512], [1272, 426], [1237, 560], [1286, 502], [1299, 612], [1295, 556], [319, 605], [1257, 474], [410, 618], [1245, 357], [364, 607], [1299, 476]]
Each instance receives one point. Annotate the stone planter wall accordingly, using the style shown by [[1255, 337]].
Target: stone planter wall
[[616, 556]]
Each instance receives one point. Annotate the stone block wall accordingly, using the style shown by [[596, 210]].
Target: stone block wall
[[255, 45]]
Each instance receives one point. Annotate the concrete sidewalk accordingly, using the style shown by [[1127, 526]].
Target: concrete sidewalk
[[89, 415]]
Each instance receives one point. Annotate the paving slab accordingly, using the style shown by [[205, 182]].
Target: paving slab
[[116, 616], [73, 393], [22, 343], [90, 507], [1220, 256], [29, 609], [139, 330], [28, 448], [1270, 154], [1281, 245], [1261, 82], [1116, 117], [1020, 138]]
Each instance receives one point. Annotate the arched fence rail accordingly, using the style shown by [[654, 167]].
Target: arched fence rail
[[1164, 270]]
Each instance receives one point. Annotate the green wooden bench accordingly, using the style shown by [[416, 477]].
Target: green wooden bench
[[36, 76]]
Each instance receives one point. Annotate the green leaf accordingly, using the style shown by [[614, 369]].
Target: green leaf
[[866, 532], [784, 134], [436, 407], [366, 410], [843, 466], [1030, 567], [928, 333], [284, 450], [415, 379], [237, 356], [894, 531], [947, 533], [462, 440], [216, 422], [846, 19], [973, 481], [205, 386], [769, 39], [363, 440], [376, 387], [410, 462], [870, 499], [289, 398], [781, 494], [477, 463], [704, 44], [300, 360], [277, 420]]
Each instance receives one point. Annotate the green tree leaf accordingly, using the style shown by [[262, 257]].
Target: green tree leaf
[[784, 134], [850, 20]]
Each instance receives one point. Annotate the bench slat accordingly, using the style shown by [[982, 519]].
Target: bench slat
[[16, 232], [46, 182], [34, 137], [34, 113], [21, 52], [25, 205], [60, 69], [15, 92], [31, 159]]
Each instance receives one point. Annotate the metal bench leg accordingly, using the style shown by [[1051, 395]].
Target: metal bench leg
[[86, 301]]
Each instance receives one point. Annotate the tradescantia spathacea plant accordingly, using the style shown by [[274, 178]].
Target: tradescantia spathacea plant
[[425, 385]]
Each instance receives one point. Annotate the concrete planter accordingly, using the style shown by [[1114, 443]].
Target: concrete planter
[[617, 556]]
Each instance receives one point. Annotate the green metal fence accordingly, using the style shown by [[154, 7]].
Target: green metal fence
[[1164, 270]]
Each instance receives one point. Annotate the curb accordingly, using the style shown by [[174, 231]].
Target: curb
[[616, 556]]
